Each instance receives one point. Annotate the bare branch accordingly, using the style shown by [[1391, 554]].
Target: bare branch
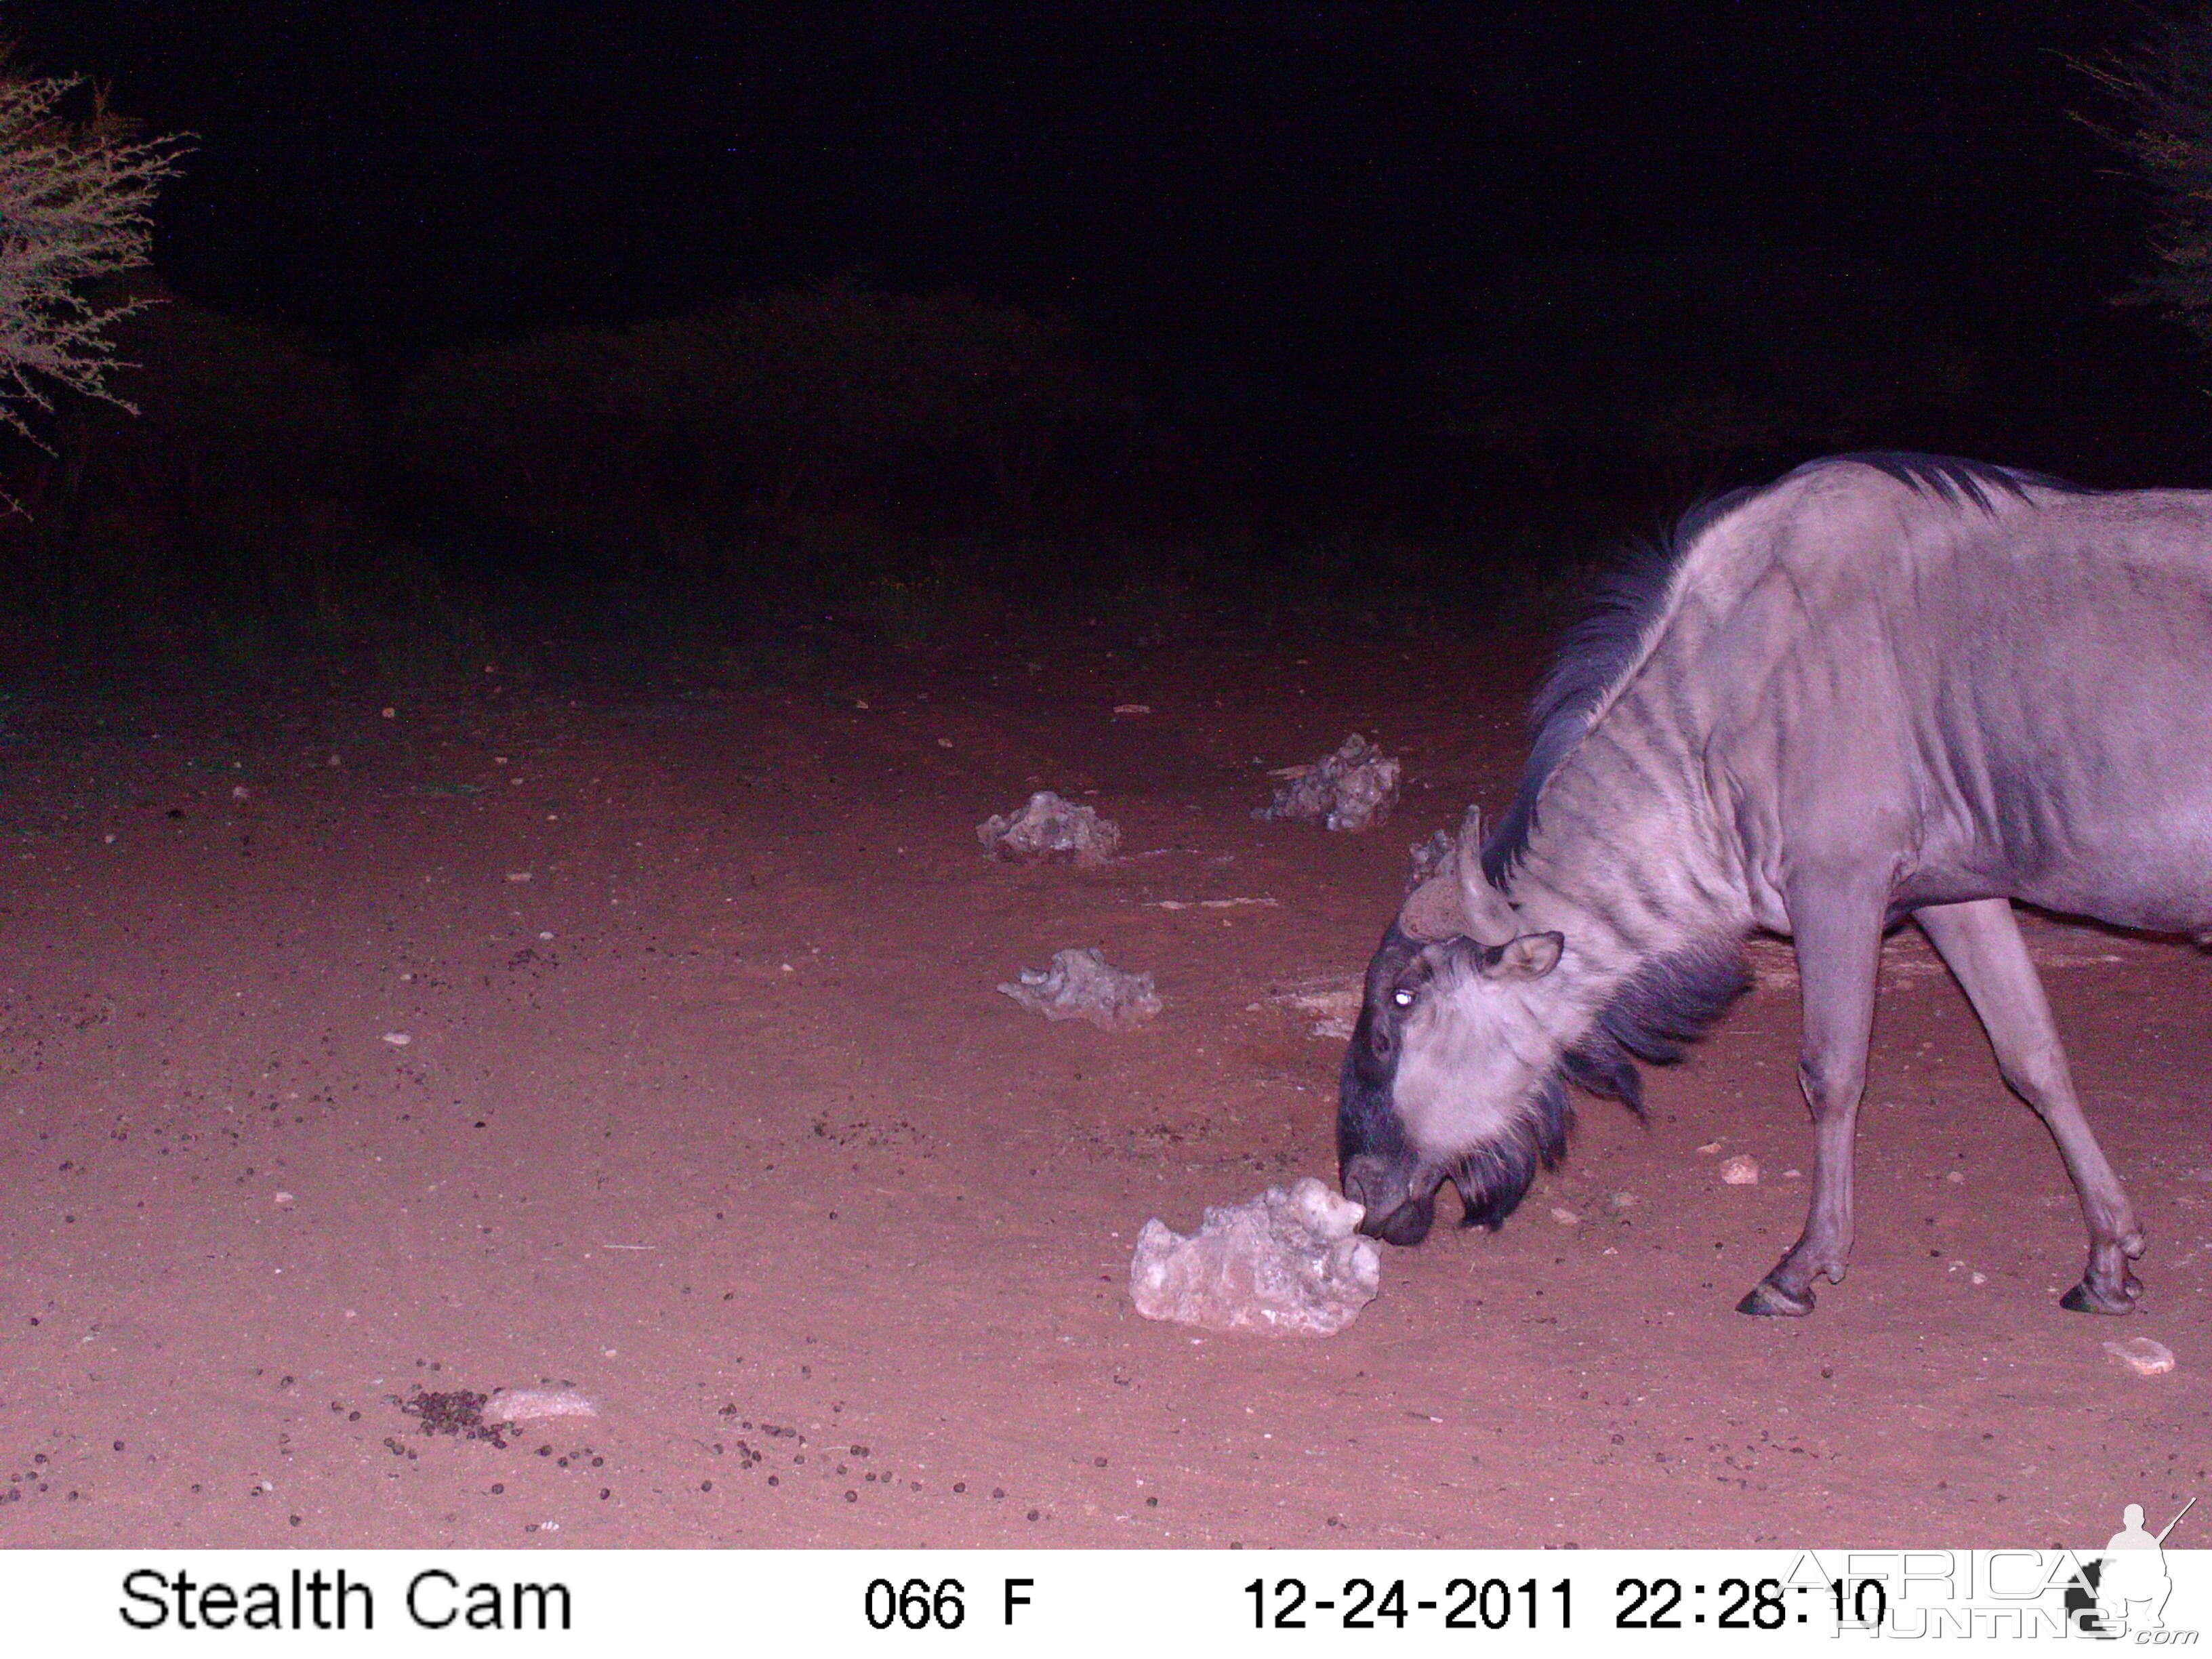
[[2166, 83], [75, 211]]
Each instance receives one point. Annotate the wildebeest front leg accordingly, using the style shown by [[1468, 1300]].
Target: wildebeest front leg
[[1981, 942], [1838, 937]]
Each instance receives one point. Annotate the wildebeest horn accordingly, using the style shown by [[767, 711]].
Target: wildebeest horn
[[1458, 900], [1492, 917]]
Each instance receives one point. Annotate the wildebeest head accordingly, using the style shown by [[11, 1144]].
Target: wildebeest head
[[1453, 1074]]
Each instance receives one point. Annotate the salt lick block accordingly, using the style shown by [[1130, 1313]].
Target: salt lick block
[[1349, 790], [522, 1405], [2145, 1356], [1050, 830], [1084, 985], [1283, 1261]]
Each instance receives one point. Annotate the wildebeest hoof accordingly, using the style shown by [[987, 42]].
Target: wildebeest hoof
[[1769, 1300], [2085, 1298]]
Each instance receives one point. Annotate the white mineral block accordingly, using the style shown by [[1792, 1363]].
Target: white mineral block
[[1083, 985], [2141, 1355], [1288, 1262], [1050, 830], [1349, 790]]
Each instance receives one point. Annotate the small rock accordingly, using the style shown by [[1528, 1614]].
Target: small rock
[[1710, 1148], [2142, 1356], [397, 1039], [1742, 1170], [1564, 1216], [1283, 1261], [1955, 1177]]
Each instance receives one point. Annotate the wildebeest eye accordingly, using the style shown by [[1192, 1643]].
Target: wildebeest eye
[[1401, 999]]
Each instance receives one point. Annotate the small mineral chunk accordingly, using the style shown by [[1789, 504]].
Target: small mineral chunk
[[1349, 790], [2141, 1355], [1050, 830], [1287, 1261], [1742, 1170], [1081, 984], [523, 1405]]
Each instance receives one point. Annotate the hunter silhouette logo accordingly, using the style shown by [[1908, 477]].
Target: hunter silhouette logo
[[2124, 1591]]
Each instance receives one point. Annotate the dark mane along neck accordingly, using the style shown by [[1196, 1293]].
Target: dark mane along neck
[[1655, 1016], [1593, 655], [1599, 649]]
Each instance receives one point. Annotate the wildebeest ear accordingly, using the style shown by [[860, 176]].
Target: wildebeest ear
[[1532, 955]]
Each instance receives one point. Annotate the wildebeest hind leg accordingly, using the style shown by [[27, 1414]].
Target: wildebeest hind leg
[[1838, 935], [1981, 942]]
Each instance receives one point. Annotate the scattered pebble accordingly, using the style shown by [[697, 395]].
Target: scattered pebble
[[283, 1198], [1710, 1148], [1133, 708], [2141, 1355], [1955, 1177], [1742, 1170], [1566, 1217], [397, 1039]]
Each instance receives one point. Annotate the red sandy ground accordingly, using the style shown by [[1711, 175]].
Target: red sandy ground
[[710, 1111]]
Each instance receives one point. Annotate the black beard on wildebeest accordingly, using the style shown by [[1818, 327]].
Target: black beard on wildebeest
[[1655, 1016]]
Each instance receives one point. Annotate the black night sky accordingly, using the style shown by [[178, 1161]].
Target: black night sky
[[1349, 245]]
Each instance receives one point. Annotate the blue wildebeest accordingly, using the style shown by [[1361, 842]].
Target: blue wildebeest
[[1889, 685]]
